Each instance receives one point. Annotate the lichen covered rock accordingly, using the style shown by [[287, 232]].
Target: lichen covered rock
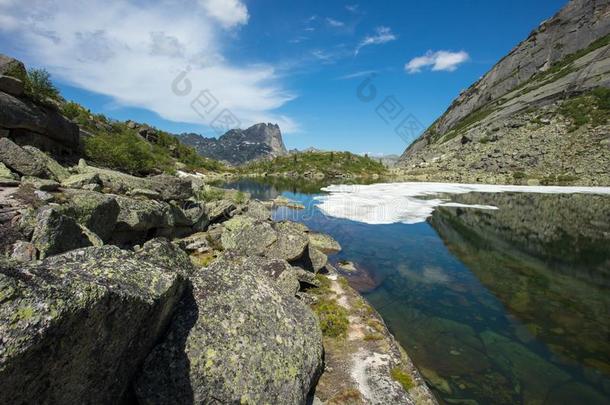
[[247, 236], [96, 211], [291, 241], [235, 339], [20, 160], [76, 327], [56, 233]]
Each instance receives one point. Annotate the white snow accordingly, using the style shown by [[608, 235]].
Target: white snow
[[387, 203]]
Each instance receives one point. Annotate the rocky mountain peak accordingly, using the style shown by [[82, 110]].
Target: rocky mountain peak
[[239, 146]]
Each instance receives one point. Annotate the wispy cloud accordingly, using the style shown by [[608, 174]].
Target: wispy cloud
[[103, 46], [382, 35], [352, 8], [334, 23], [437, 61], [357, 74]]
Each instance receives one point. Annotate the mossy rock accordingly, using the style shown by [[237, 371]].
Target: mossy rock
[[76, 327]]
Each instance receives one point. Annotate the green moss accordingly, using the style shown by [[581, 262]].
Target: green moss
[[402, 378], [519, 175], [332, 316]]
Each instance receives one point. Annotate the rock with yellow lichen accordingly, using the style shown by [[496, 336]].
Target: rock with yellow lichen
[[236, 338], [75, 328]]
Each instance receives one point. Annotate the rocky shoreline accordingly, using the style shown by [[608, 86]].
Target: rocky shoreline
[[116, 288]]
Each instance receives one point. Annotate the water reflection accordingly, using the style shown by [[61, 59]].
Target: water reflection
[[506, 306]]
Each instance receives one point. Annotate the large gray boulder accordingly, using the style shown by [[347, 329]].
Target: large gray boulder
[[42, 126], [76, 328], [169, 187], [142, 215], [291, 241], [236, 338], [247, 236], [56, 233], [57, 171], [96, 211], [257, 210], [11, 85], [20, 160], [12, 67]]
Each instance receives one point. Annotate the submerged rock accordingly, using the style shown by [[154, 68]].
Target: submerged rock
[[76, 327], [235, 339]]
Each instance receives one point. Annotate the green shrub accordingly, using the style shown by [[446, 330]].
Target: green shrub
[[38, 85], [126, 151], [519, 175], [590, 108], [332, 316], [402, 378]]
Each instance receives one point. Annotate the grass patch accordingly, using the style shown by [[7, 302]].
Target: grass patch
[[467, 121], [519, 175], [485, 140], [332, 316], [402, 378]]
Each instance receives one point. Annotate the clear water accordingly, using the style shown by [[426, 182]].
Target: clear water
[[495, 307]]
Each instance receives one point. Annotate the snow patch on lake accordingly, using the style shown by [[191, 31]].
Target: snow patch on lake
[[410, 203]]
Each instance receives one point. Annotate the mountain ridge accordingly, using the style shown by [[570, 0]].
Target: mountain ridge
[[566, 57], [237, 146]]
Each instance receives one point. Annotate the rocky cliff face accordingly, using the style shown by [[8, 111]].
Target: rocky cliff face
[[260, 141], [515, 119]]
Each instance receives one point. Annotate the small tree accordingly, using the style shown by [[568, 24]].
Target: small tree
[[38, 85]]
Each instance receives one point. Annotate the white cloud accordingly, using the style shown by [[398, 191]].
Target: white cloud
[[381, 36], [105, 46], [352, 8], [438, 61], [228, 12], [335, 23], [357, 74]]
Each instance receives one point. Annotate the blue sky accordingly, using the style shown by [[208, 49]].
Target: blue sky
[[297, 63]]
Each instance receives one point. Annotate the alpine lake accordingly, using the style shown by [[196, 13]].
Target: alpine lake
[[495, 306]]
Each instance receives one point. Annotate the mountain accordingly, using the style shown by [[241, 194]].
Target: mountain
[[237, 146], [539, 115]]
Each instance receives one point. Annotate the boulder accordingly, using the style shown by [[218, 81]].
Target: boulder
[[236, 338], [56, 233], [277, 269], [12, 67], [171, 187], [76, 327], [40, 184], [291, 241], [142, 192], [247, 236], [57, 171], [20, 160], [38, 125], [23, 251], [220, 210], [140, 218], [11, 85], [81, 180], [258, 210], [323, 243], [96, 211], [6, 174]]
